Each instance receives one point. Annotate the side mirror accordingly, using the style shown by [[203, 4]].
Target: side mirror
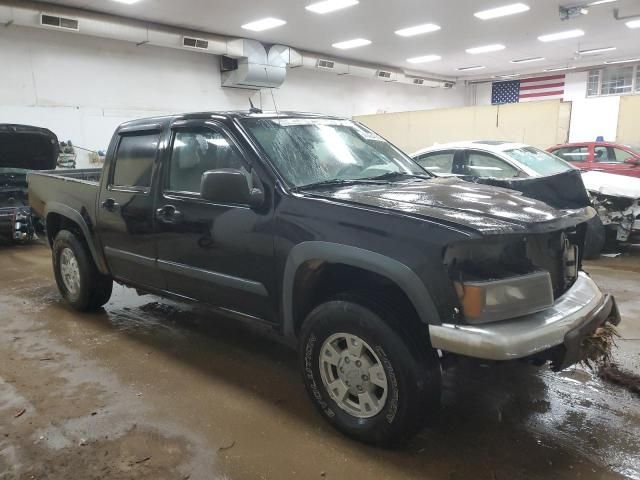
[[632, 160], [229, 185]]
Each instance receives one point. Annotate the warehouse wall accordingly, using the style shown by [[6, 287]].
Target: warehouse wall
[[82, 87], [590, 117], [537, 123]]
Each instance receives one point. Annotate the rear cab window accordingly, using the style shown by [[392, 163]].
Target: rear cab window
[[134, 161]]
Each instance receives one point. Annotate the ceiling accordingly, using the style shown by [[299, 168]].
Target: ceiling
[[376, 20]]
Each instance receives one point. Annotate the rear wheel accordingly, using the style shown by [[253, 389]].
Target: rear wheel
[[366, 376], [77, 277]]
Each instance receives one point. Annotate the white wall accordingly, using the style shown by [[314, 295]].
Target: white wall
[[83, 87], [590, 117]]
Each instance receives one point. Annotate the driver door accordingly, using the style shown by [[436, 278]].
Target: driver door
[[221, 254]]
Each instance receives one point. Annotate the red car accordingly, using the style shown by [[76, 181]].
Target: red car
[[602, 156]]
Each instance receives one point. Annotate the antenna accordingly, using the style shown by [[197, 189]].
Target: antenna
[[253, 109], [273, 99]]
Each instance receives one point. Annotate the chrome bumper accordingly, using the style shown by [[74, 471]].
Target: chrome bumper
[[581, 306]]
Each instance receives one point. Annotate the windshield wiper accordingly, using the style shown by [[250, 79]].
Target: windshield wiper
[[340, 182], [392, 175]]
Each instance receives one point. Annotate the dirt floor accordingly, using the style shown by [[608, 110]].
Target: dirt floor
[[150, 389]]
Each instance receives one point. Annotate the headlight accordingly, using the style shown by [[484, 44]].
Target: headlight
[[492, 300]]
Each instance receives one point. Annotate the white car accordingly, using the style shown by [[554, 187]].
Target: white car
[[615, 197], [489, 159]]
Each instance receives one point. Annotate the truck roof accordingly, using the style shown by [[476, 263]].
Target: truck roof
[[227, 115]]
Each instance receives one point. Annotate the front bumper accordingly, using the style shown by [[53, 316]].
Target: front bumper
[[574, 315]]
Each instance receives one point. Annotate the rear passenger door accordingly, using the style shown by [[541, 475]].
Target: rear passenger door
[[125, 208]]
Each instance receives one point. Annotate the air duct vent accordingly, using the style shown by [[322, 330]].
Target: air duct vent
[[198, 43], [59, 22], [328, 64], [384, 74], [418, 81]]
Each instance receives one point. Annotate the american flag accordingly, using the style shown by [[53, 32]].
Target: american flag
[[528, 89]]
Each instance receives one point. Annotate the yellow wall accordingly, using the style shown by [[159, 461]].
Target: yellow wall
[[537, 123], [629, 120]]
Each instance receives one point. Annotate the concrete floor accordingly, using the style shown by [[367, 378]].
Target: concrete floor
[[149, 389]]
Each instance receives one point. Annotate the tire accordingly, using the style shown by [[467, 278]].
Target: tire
[[412, 370], [595, 238], [81, 285]]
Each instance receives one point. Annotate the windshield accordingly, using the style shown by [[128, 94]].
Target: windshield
[[539, 161], [310, 151]]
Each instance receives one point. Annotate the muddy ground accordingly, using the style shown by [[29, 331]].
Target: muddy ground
[[150, 389]]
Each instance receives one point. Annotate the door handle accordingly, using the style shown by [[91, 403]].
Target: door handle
[[110, 205], [168, 214]]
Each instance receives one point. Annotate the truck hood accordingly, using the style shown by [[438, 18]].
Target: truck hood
[[27, 147], [488, 210]]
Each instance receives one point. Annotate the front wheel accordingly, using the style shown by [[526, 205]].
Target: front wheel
[[366, 377], [78, 278]]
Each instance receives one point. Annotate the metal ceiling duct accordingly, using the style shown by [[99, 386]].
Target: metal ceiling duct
[[252, 65]]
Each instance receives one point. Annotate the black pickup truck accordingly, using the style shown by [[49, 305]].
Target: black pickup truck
[[321, 229]]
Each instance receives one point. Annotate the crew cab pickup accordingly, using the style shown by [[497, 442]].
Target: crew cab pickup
[[321, 229]]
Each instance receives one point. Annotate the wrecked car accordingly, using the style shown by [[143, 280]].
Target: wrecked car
[[534, 172], [617, 201], [323, 231], [22, 148]]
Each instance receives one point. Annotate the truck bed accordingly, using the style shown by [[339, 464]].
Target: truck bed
[[75, 189]]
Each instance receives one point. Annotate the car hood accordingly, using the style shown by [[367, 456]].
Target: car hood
[[612, 184], [486, 209], [27, 147]]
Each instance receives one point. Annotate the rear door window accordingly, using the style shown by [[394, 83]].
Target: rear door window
[[134, 161], [437, 162], [573, 154]]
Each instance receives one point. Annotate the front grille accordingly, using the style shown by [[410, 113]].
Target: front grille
[[555, 253]]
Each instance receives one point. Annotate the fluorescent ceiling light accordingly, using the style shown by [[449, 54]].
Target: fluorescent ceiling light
[[552, 37], [612, 62], [486, 48], [330, 5], [424, 59], [527, 60], [593, 51], [599, 2], [263, 24], [418, 30], [128, 2], [513, 75], [502, 11], [475, 67], [356, 42], [558, 69], [633, 23]]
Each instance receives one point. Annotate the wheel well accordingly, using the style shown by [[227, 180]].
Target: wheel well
[[317, 281], [56, 222]]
